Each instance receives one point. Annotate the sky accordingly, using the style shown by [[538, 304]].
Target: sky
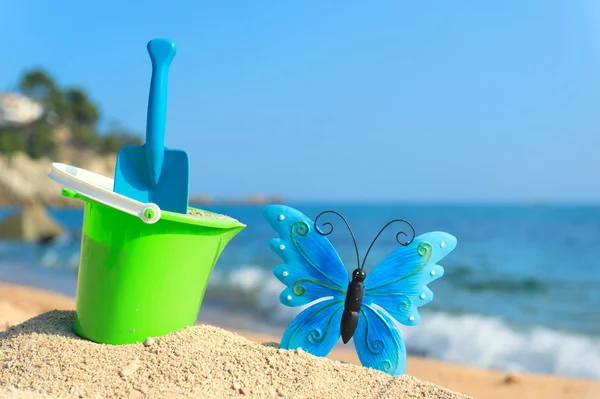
[[437, 101]]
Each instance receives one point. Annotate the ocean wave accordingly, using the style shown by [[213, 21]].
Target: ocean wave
[[465, 278], [251, 289], [488, 342], [530, 285]]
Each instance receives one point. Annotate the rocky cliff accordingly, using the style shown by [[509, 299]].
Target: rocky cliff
[[25, 181]]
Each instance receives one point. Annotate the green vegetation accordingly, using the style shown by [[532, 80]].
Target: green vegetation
[[68, 108]]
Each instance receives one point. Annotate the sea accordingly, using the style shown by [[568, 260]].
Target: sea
[[520, 293]]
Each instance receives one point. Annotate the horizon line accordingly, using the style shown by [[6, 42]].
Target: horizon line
[[250, 200]]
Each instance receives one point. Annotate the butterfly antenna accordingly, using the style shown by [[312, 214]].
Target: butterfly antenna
[[403, 243], [331, 231]]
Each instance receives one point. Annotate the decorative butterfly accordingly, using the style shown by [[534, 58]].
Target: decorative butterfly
[[361, 307]]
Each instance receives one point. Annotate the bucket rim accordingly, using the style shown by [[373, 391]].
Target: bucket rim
[[219, 223]]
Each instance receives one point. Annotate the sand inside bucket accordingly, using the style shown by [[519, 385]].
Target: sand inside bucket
[[204, 214]]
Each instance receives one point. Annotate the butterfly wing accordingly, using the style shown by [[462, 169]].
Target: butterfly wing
[[312, 268], [378, 342], [399, 283], [316, 329]]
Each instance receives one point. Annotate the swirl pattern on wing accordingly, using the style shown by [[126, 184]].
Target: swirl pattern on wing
[[312, 269], [424, 250], [316, 329], [399, 283], [378, 342]]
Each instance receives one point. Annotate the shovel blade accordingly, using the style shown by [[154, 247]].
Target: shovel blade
[[133, 180]]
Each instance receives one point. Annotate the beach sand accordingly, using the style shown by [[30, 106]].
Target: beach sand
[[40, 353]]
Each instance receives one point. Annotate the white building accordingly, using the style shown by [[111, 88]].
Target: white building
[[18, 110]]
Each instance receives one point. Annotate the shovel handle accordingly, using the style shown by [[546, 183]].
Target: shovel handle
[[162, 52]]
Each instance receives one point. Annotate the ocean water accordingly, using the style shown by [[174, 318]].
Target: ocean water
[[521, 292]]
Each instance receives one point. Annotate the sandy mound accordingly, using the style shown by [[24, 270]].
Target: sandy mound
[[44, 356]]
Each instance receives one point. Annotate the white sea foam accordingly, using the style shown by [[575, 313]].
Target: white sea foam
[[489, 342]]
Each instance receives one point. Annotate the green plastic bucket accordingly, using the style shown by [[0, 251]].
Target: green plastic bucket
[[139, 280]]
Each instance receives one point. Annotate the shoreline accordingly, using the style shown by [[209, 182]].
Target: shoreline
[[20, 303]]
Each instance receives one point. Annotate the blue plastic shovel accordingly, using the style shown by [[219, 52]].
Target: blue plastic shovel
[[152, 172]]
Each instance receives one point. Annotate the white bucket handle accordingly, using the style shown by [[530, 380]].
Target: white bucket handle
[[100, 188]]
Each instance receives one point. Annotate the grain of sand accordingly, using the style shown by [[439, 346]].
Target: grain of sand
[[43, 358]]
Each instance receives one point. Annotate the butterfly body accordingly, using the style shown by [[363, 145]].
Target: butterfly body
[[364, 308], [354, 299]]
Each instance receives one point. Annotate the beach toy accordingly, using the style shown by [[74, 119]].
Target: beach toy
[[143, 271], [143, 268], [151, 172], [350, 307]]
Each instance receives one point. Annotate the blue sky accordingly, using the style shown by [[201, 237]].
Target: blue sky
[[344, 100]]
